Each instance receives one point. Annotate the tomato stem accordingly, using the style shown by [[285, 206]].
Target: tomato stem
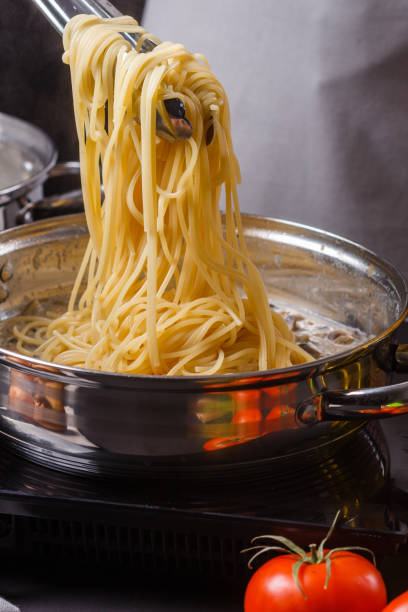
[[313, 549]]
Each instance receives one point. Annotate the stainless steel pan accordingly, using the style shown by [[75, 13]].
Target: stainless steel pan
[[27, 160], [85, 420]]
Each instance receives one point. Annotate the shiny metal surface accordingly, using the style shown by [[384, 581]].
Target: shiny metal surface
[[172, 127], [401, 358], [51, 206], [68, 416], [21, 198], [27, 137], [383, 402], [59, 12]]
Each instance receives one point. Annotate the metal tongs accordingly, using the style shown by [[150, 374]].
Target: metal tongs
[[174, 126]]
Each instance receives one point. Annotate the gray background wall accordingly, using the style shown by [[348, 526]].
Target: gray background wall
[[319, 104]]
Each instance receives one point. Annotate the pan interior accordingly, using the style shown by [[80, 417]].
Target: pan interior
[[323, 284], [325, 276]]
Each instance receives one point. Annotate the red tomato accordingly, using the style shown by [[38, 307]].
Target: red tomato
[[355, 585], [399, 604]]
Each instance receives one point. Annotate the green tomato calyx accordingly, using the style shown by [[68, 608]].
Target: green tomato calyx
[[315, 554]]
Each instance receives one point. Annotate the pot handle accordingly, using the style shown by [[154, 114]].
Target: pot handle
[[371, 403], [64, 169], [52, 206], [401, 359], [375, 403]]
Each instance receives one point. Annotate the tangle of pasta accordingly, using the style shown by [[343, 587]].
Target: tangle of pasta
[[170, 288]]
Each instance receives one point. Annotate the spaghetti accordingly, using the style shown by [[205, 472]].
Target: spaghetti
[[169, 287]]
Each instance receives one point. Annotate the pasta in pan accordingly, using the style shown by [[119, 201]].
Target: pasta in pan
[[169, 287]]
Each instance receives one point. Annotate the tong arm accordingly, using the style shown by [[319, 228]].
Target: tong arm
[[58, 12]]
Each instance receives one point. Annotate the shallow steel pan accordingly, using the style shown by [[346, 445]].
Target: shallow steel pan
[[88, 421]]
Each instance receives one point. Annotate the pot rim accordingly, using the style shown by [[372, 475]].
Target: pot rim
[[11, 192], [253, 379]]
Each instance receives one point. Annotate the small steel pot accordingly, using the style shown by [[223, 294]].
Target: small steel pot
[[27, 160], [98, 422]]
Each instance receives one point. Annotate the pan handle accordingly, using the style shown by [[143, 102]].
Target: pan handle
[[401, 359], [65, 169], [52, 206], [375, 403]]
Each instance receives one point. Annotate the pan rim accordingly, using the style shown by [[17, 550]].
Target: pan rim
[[256, 378]]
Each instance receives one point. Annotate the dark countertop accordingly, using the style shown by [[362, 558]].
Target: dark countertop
[[41, 590]]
